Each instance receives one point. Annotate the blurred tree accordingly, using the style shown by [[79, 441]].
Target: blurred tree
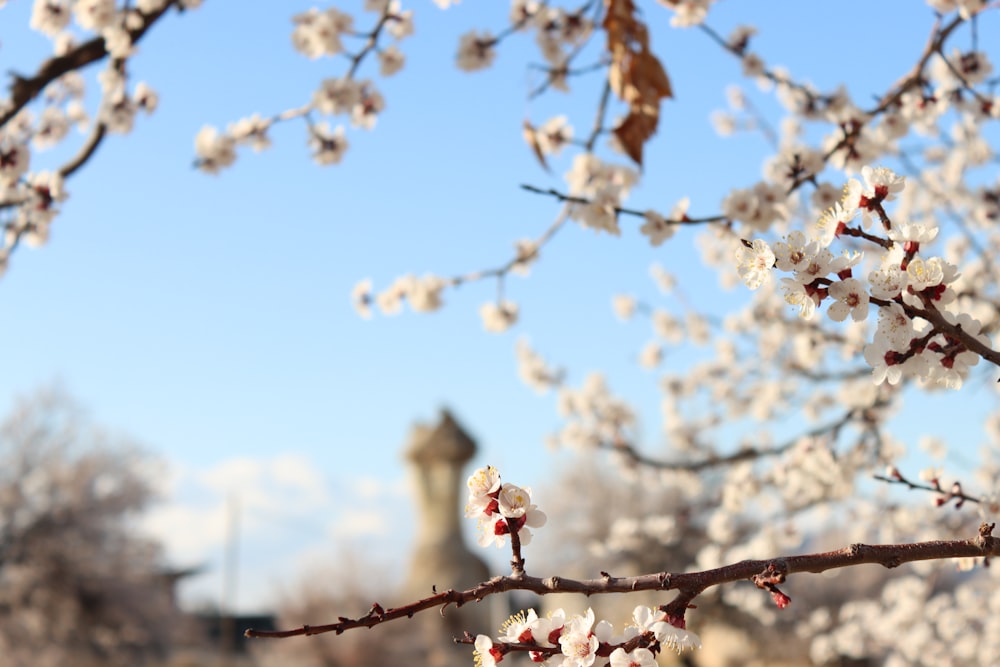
[[78, 584]]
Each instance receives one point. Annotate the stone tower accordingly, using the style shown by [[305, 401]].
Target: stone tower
[[440, 558]]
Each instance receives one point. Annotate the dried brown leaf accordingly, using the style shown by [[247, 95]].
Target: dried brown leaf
[[530, 134], [635, 75]]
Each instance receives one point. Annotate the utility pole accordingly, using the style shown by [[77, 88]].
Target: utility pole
[[230, 580]]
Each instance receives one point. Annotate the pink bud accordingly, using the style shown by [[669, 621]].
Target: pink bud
[[780, 599]]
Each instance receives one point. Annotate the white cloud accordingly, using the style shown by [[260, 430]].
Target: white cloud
[[285, 506], [364, 523], [372, 488], [189, 533]]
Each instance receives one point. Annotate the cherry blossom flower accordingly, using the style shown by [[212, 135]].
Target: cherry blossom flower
[[252, 131], [361, 297], [885, 363], [328, 147], [882, 183], [725, 124], [601, 214], [50, 17], [364, 114], [688, 13], [145, 97], [534, 371], [482, 483], [501, 508], [589, 174], [53, 126], [546, 631], [887, 282], [94, 14], [667, 327], [821, 264], [624, 306], [475, 51], [390, 60], [498, 317], [640, 657], [797, 294], [754, 263], [651, 355], [922, 273], [913, 234], [657, 228], [554, 134], [118, 42], [400, 24], [895, 326], [527, 254], [486, 655], [337, 96], [665, 281], [317, 33], [578, 643], [519, 628], [674, 635], [390, 300], [740, 205], [852, 299], [214, 150], [523, 10], [424, 293], [795, 252], [832, 223]]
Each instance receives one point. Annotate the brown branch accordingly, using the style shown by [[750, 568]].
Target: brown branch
[[86, 151], [941, 325], [935, 43], [602, 109], [688, 584], [571, 199], [745, 454], [23, 90]]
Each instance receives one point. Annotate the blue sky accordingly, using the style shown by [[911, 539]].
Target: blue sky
[[208, 316]]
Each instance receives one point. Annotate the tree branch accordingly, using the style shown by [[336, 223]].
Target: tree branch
[[688, 584], [23, 90]]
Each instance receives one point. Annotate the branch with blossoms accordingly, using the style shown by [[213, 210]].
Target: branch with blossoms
[[507, 511], [32, 198], [136, 22], [906, 288], [319, 34]]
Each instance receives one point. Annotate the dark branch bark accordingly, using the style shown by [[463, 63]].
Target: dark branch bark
[[25, 89], [689, 584]]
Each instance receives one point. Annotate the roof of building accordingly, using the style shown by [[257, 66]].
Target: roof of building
[[445, 441]]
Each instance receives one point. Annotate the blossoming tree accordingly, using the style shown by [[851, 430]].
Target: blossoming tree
[[867, 252], [79, 585]]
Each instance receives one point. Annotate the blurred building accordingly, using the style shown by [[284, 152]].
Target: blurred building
[[441, 560]]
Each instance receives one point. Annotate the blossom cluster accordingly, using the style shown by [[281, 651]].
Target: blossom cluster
[[32, 195], [317, 34], [605, 185], [904, 285], [559, 34], [577, 641], [501, 509]]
